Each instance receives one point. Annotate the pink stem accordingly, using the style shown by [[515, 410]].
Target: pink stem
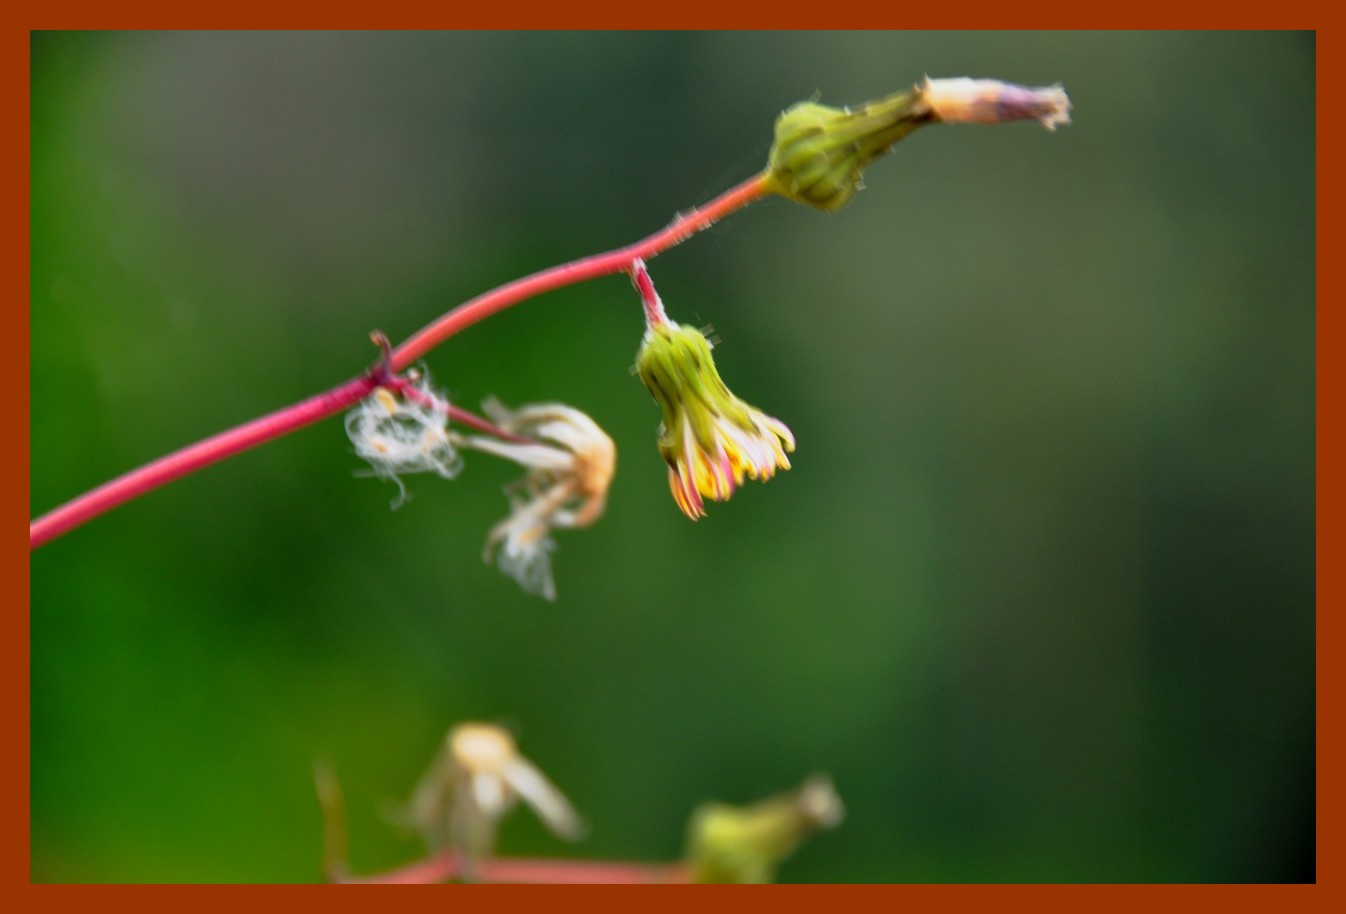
[[447, 865], [654, 305], [472, 420], [581, 871], [483, 306], [236, 440], [193, 457], [455, 413]]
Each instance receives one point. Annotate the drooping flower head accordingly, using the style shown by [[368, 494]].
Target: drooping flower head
[[570, 462], [710, 438]]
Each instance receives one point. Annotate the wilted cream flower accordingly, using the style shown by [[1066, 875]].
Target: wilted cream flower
[[570, 463], [404, 434], [710, 439], [476, 779], [990, 101]]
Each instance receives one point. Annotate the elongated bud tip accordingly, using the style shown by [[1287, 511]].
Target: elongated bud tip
[[820, 153], [990, 101]]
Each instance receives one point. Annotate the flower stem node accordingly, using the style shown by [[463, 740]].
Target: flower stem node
[[747, 844], [710, 438], [820, 153], [405, 432]]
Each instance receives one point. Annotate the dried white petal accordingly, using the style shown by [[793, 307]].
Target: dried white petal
[[545, 799]]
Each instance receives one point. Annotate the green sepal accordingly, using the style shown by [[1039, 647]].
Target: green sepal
[[820, 153]]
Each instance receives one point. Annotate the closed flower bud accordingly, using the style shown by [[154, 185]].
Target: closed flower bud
[[820, 152]]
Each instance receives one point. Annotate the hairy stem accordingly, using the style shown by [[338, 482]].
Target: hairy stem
[[567, 274], [226, 444]]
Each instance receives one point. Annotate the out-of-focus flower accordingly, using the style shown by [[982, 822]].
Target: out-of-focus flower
[[747, 844], [475, 780], [406, 433], [570, 463], [710, 438], [990, 101]]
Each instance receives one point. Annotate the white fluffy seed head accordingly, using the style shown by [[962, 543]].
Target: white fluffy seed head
[[404, 434]]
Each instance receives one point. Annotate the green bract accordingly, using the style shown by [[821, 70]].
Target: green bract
[[820, 152]]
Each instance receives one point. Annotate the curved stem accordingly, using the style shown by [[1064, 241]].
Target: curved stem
[[567, 274], [291, 418]]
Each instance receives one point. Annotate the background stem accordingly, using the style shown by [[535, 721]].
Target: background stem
[[448, 865]]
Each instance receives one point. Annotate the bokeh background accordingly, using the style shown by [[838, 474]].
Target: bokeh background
[[1038, 592]]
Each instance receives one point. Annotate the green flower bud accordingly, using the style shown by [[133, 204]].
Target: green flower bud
[[820, 153], [746, 845]]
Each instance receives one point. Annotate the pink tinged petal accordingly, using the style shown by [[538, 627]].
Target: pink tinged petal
[[780, 430], [690, 505], [990, 101], [682, 476], [718, 478]]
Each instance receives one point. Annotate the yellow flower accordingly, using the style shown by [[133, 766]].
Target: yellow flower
[[710, 438]]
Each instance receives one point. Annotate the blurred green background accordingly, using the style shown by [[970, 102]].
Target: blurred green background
[[1038, 591]]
